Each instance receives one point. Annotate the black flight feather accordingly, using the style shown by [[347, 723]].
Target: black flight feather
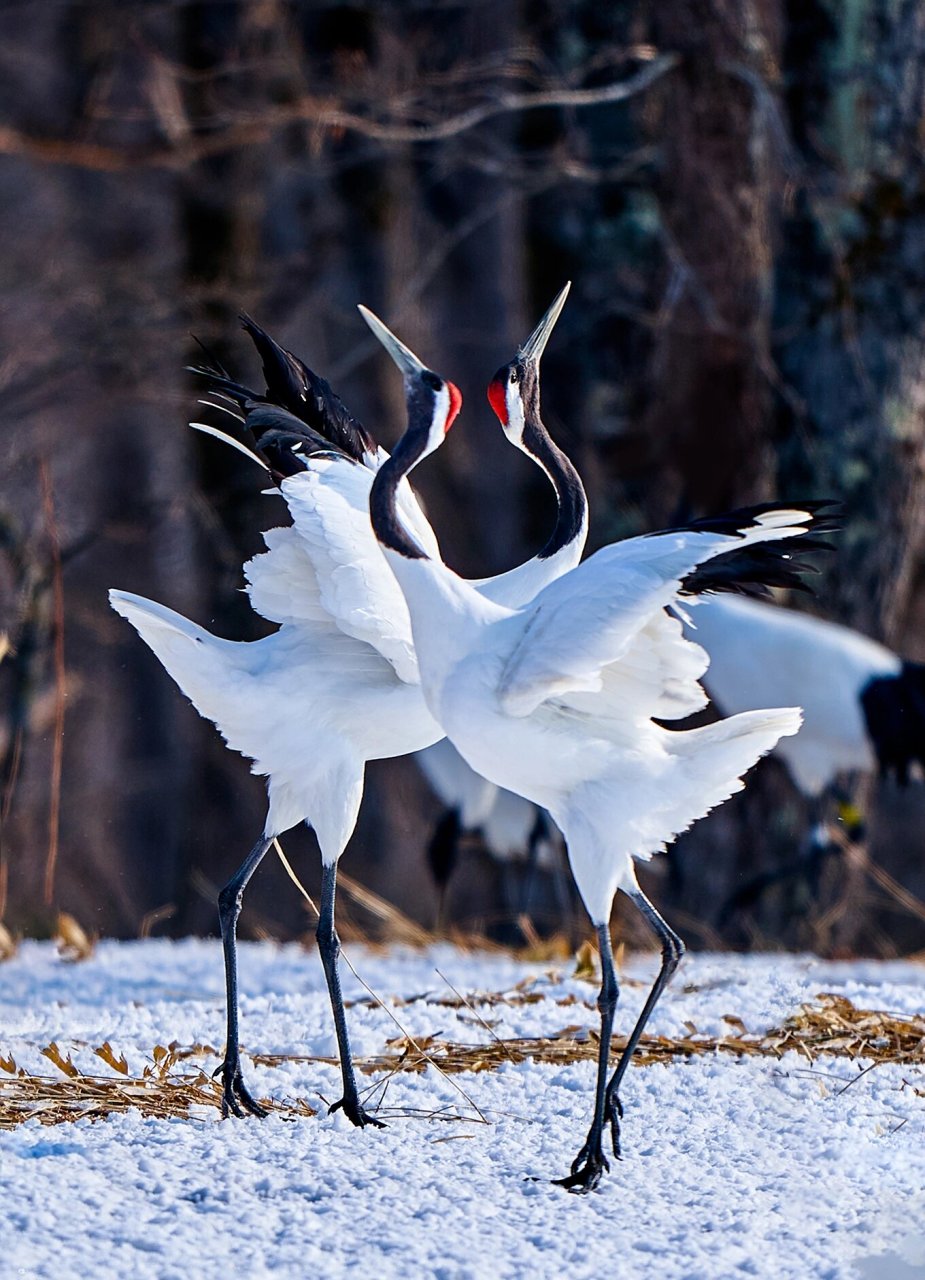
[[754, 568], [293, 386]]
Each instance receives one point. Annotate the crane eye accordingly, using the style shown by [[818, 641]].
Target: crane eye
[[512, 377]]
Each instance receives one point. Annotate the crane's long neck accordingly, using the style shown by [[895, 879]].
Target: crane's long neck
[[446, 612], [571, 528], [383, 500]]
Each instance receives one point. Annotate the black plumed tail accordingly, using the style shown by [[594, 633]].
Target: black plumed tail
[[293, 386], [220, 383], [300, 412], [288, 380], [271, 425], [755, 568], [278, 437]]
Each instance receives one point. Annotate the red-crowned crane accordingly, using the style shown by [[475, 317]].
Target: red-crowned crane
[[510, 827], [556, 700], [338, 683], [863, 706]]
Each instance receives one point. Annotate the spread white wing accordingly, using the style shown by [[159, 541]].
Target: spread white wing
[[283, 585], [591, 617], [329, 503]]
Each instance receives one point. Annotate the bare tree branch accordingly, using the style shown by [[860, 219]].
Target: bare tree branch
[[323, 115]]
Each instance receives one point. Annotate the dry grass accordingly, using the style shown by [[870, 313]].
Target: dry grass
[[73, 942], [831, 1026], [162, 1090]]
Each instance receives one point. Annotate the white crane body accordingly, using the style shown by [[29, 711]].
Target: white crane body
[[513, 700], [307, 708]]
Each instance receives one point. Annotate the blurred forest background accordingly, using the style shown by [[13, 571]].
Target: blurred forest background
[[737, 190]]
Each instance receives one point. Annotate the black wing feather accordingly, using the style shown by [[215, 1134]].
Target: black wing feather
[[761, 565], [293, 386]]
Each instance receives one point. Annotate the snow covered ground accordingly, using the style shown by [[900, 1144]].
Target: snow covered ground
[[732, 1166]]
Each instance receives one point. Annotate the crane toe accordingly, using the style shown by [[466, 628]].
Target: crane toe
[[613, 1114], [237, 1099], [355, 1113], [588, 1168], [590, 1164]]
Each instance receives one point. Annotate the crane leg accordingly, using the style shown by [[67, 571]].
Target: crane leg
[[538, 833], [236, 1098], [672, 951], [442, 857], [591, 1163], [329, 947]]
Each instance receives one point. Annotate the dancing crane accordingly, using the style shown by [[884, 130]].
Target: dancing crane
[[338, 683], [510, 826], [556, 700]]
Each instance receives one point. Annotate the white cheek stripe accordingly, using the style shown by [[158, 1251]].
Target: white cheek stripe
[[514, 427], [438, 421]]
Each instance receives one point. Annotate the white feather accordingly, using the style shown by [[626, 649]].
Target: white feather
[[590, 617], [208, 430], [308, 705], [556, 701], [225, 408]]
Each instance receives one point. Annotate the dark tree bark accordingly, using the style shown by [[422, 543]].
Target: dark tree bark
[[92, 360], [708, 418], [746, 244]]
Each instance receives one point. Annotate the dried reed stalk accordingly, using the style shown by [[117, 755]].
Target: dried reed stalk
[[832, 1026]]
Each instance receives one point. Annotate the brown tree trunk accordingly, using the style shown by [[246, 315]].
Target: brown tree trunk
[[708, 419]]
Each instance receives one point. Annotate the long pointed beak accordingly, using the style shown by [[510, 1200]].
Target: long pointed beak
[[403, 356], [535, 345]]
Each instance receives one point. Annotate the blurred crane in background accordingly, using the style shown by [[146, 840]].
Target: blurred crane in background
[[863, 711]]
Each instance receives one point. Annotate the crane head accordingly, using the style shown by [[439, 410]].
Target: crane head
[[433, 402], [514, 391]]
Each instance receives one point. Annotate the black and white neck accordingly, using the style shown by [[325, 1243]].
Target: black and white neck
[[514, 394], [433, 404]]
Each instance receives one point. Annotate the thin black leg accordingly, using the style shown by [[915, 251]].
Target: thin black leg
[[329, 946], [672, 951], [236, 1098], [538, 833], [442, 857], [591, 1163]]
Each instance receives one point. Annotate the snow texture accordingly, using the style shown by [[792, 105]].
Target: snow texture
[[732, 1167]]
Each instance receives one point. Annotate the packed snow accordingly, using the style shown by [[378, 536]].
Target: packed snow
[[732, 1166]]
